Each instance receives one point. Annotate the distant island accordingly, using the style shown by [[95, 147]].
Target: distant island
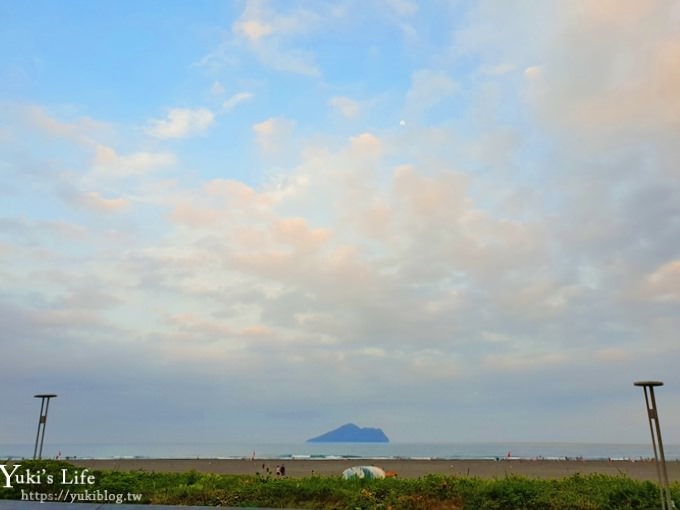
[[351, 433]]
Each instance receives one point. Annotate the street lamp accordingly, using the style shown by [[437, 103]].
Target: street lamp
[[655, 429], [42, 421]]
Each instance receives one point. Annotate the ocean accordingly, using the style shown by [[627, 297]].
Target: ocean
[[323, 451]]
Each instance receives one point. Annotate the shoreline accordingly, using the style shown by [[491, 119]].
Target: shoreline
[[406, 468]]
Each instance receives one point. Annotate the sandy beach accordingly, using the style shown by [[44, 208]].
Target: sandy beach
[[545, 469]]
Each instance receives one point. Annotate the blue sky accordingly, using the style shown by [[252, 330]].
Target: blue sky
[[248, 221]]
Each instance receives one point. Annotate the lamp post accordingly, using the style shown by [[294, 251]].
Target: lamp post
[[42, 421], [657, 442]]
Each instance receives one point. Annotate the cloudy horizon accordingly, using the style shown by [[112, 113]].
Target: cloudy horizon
[[252, 221]]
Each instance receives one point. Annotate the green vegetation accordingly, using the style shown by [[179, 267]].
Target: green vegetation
[[434, 492]]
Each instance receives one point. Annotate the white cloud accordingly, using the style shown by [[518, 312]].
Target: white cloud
[[366, 144], [253, 30], [83, 130], [346, 106], [428, 87], [663, 285], [181, 123], [94, 201], [268, 32], [289, 60], [217, 88], [271, 134], [260, 21], [496, 70], [109, 162], [403, 7], [610, 67], [236, 99]]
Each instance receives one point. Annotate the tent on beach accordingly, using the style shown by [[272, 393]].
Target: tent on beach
[[363, 472]]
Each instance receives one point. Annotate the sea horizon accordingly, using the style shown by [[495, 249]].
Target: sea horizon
[[328, 451]]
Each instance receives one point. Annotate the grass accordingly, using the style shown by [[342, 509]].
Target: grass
[[433, 492]]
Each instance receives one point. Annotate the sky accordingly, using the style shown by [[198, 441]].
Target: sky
[[255, 220]]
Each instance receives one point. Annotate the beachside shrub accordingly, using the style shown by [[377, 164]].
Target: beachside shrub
[[432, 492]]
